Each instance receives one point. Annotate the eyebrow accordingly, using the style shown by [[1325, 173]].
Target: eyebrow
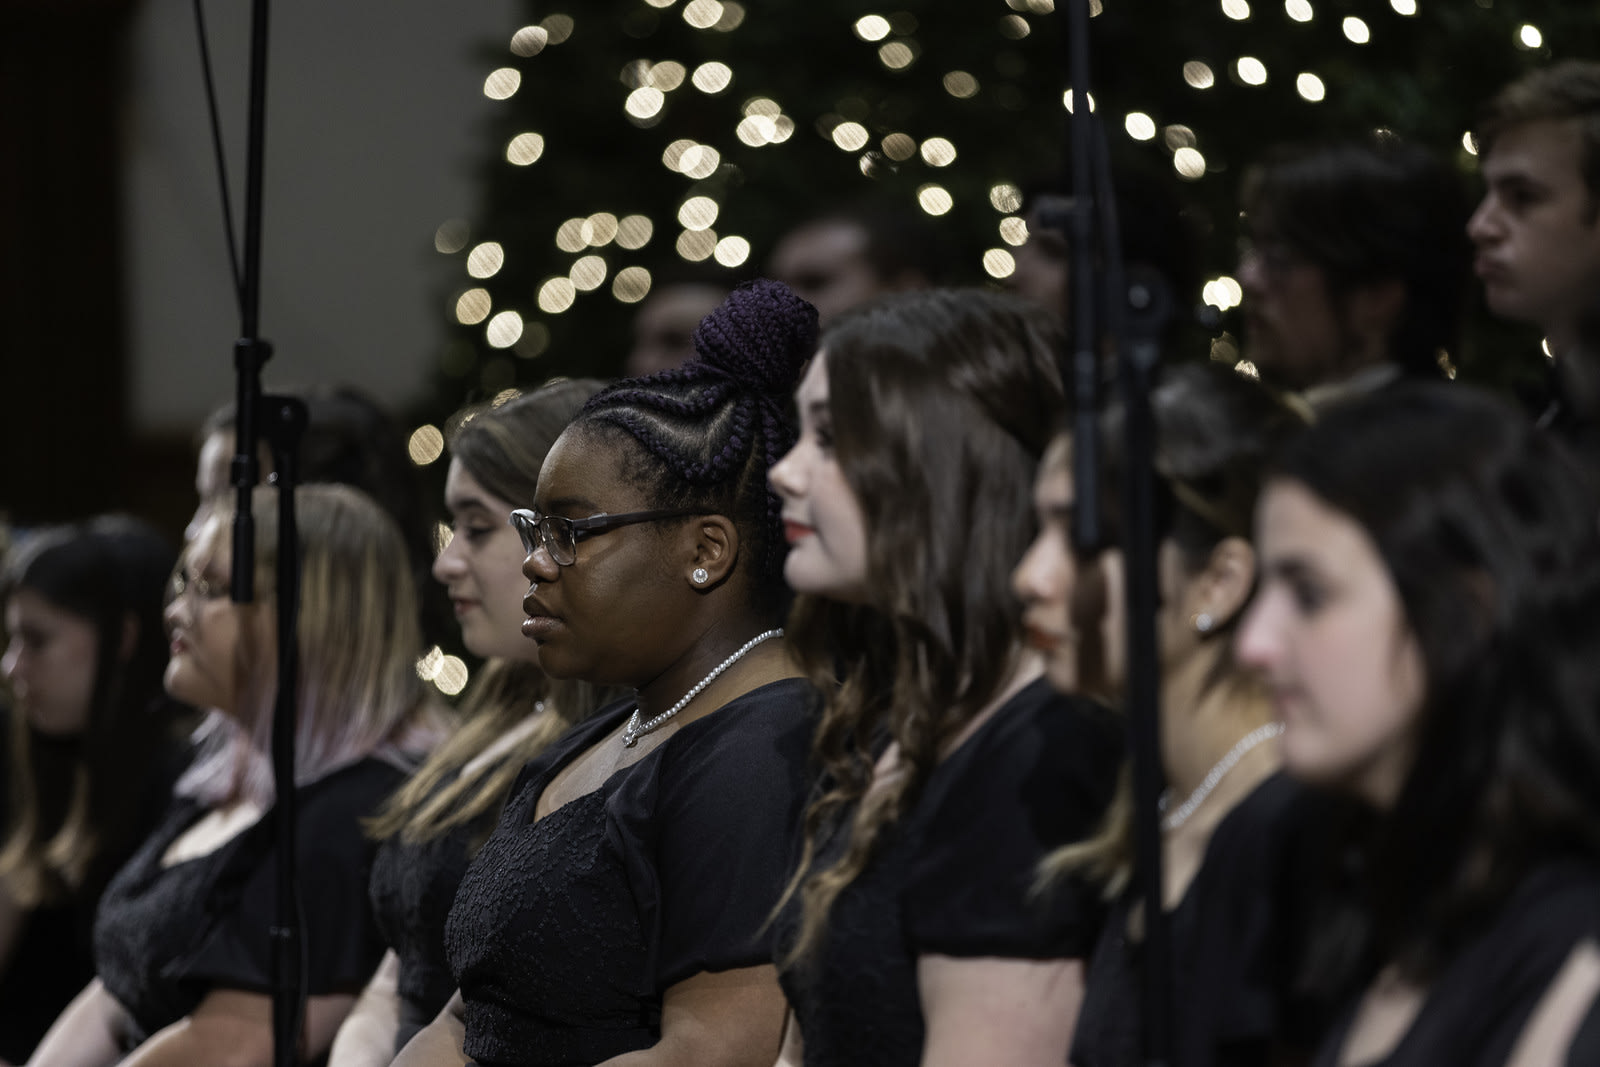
[[465, 503], [1290, 567], [571, 502]]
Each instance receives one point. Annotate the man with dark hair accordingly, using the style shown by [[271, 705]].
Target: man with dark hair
[[841, 259], [1537, 230], [1354, 265]]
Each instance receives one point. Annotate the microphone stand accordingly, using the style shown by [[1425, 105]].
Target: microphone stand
[[1127, 318], [281, 421]]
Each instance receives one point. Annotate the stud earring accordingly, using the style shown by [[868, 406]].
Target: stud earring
[[1202, 622], [700, 576]]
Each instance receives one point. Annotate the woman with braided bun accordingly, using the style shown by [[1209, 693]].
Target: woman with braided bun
[[910, 934], [617, 913]]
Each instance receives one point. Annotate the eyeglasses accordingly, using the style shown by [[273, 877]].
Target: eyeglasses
[[560, 536], [182, 582]]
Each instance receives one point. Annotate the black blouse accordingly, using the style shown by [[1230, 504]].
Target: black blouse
[[167, 936], [1477, 1008], [1236, 937], [413, 886], [955, 877], [566, 932]]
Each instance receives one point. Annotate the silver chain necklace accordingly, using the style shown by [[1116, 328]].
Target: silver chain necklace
[[1215, 775], [637, 729]]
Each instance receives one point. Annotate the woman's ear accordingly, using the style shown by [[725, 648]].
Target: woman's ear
[[715, 551], [1223, 589]]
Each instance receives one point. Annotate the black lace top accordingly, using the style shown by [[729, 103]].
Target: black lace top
[[955, 878], [413, 886], [567, 931], [1477, 1008], [1235, 936], [167, 936]]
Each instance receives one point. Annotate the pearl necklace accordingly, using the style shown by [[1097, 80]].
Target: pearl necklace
[[637, 729], [1215, 775]]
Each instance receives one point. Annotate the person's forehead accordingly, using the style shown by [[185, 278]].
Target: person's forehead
[[1544, 146]]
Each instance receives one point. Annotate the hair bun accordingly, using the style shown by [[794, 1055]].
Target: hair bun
[[762, 334]]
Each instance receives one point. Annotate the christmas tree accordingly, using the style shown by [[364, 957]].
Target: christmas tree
[[641, 134]]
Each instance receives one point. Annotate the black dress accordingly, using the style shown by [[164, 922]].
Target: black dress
[[567, 931], [955, 877], [1235, 936], [413, 886], [1478, 1006], [167, 936]]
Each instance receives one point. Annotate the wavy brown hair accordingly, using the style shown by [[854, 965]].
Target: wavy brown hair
[[942, 404]]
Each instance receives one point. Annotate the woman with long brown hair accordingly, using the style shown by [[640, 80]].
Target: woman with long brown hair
[[909, 933]]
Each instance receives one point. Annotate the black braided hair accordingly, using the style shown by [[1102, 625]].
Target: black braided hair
[[706, 433]]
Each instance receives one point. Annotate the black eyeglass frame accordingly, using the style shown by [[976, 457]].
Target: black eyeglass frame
[[537, 530]]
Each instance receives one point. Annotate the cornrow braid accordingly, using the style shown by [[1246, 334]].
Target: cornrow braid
[[707, 432]]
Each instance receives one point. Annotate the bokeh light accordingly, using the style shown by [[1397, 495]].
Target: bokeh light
[[1198, 75], [998, 263], [1238, 10], [631, 285], [702, 14], [697, 213], [961, 85], [899, 147], [530, 40], [1356, 30], [938, 152], [850, 136], [502, 84], [451, 236], [556, 295], [697, 245], [425, 445], [588, 273], [473, 306], [634, 231], [1251, 70], [486, 260], [1005, 197], [732, 251], [1140, 127], [1299, 10], [872, 27], [525, 148], [1189, 163], [1310, 87], [598, 229], [934, 199], [1014, 230], [503, 330], [1223, 293], [711, 77]]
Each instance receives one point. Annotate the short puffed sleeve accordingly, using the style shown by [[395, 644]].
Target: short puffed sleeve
[[334, 858], [1037, 776], [726, 807]]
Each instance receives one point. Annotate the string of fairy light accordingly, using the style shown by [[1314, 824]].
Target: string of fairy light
[[596, 248]]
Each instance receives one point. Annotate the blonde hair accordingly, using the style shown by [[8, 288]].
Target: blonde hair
[[357, 693]]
